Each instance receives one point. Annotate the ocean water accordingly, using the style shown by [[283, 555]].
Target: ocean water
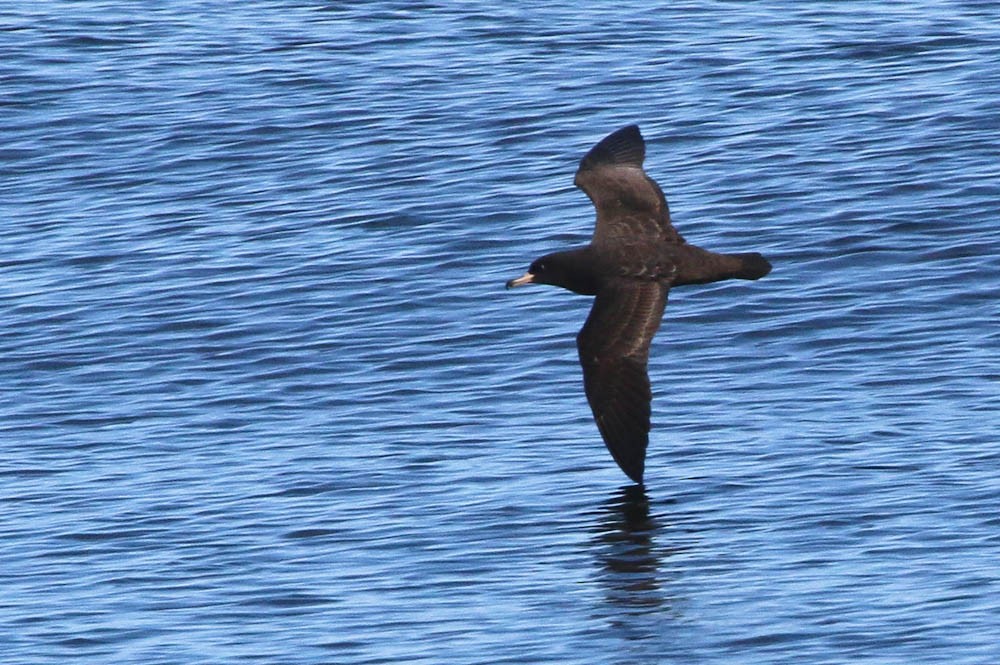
[[264, 398]]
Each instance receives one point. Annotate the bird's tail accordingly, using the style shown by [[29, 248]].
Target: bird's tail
[[700, 266], [752, 266]]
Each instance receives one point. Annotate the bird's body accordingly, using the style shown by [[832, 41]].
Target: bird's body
[[632, 261]]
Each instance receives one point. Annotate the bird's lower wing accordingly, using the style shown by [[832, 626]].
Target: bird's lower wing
[[614, 348]]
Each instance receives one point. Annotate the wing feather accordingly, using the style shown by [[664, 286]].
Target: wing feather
[[630, 205], [614, 349]]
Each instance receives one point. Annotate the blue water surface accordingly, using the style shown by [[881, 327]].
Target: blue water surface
[[263, 397]]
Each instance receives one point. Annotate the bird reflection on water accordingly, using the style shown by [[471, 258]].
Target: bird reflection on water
[[625, 547]]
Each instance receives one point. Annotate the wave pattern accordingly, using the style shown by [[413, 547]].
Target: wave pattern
[[264, 396]]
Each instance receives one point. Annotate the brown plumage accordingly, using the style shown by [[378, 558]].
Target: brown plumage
[[632, 261]]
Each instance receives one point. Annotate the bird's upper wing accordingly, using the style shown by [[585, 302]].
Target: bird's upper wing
[[630, 205], [614, 348]]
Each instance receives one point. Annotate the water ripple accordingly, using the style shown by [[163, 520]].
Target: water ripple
[[265, 397]]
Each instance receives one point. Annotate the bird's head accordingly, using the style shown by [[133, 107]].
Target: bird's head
[[565, 269], [546, 270]]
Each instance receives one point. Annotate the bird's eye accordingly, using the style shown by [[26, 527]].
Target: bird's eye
[[539, 267]]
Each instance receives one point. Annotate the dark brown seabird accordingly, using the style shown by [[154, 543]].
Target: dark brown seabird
[[632, 261]]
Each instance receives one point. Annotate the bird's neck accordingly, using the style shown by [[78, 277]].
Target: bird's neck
[[582, 275]]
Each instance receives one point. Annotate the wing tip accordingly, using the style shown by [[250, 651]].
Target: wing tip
[[635, 474], [623, 147], [628, 449], [634, 467]]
